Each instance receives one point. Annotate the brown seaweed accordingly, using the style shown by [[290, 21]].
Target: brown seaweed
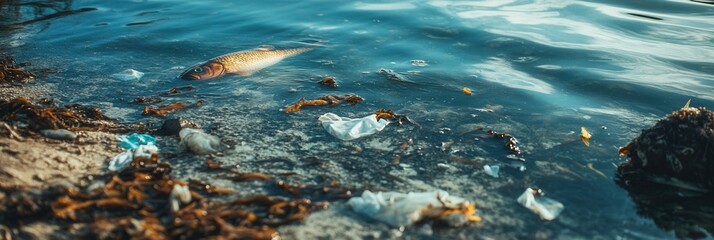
[[329, 81], [323, 101], [47, 116], [163, 111], [12, 72]]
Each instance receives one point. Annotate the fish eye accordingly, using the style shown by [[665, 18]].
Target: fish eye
[[197, 69]]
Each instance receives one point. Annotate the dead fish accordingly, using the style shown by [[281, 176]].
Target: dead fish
[[243, 63]]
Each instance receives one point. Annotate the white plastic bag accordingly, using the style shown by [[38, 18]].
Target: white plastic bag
[[128, 75], [548, 209], [399, 209], [121, 161], [199, 142], [348, 128]]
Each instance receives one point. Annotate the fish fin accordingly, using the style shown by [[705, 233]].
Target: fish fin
[[265, 48]]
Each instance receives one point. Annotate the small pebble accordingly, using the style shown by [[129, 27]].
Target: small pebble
[[59, 134]]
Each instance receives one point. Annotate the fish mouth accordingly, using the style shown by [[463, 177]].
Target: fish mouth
[[190, 77]]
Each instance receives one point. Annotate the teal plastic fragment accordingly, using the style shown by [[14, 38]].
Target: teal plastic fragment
[[135, 140]]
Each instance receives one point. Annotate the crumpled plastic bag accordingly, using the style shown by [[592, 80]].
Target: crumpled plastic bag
[[348, 128], [399, 209], [491, 170], [135, 140], [128, 75], [121, 161], [548, 209], [199, 142], [179, 194]]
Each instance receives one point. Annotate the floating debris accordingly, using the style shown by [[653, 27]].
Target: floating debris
[[394, 76], [678, 150], [12, 72], [165, 110], [59, 134], [128, 75], [199, 142], [467, 91], [585, 136], [491, 170], [401, 210], [348, 129], [419, 63], [511, 142], [329, 81], [590, 166], [121, 161], [390, 115], [546, 208], [324, 101]]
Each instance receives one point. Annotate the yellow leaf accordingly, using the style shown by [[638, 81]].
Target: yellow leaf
[[585, 136]]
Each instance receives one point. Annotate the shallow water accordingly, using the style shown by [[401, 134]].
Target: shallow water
[[545, 68]]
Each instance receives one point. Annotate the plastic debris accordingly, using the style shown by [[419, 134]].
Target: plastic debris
[[59, 134], [585, 136], [348, 129], [491, 170], [135, 140], [419, 63], [179, 194], [199, 142], [399, 209], [548, 209], [467, 91], [128, 75], [121, 161]]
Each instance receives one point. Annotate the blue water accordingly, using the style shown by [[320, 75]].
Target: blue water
[[546, 68]]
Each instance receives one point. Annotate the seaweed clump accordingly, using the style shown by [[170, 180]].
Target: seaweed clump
[[12, 72], [323, 101], [144, 201], [670, 172], [46, 115], [679, 146]]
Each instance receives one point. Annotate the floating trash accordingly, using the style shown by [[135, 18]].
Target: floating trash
[[399, 209], [128, 75], [348, 129], [585, 136], [491, 170], [199, 142], [419, 63], [135, 140], [394, 76], [467, 91], [548, 209]]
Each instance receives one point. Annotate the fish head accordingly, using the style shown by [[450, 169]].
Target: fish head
[[204, 71]]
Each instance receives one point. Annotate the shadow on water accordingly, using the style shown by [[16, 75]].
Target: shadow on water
[[14, 14]]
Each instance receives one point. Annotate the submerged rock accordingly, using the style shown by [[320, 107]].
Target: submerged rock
[[174, 126], [678, 150]]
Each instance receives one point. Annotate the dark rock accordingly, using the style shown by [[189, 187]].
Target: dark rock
[[174, 126]]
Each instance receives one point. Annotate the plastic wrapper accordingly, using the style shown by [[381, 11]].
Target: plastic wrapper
[[179, 194], [135, 140], [123, 160], [348, 128], [399, 209], [491, 170], [199, 142], [128, 75], [548, 209]]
